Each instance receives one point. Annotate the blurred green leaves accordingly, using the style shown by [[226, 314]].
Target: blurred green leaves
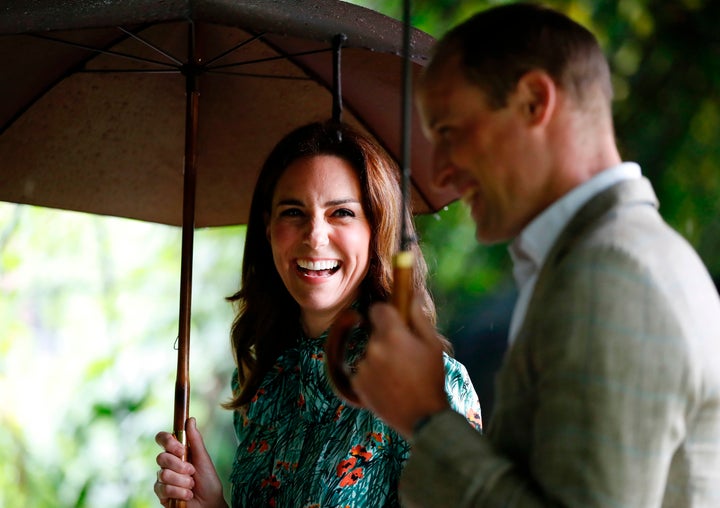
[[90, 315]]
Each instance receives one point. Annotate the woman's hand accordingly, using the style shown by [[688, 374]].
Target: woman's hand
[[195, 481]]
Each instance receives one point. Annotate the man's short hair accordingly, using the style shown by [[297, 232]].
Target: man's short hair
[[498, 46]]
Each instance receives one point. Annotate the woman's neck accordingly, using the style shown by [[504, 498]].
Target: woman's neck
[[314, 326]]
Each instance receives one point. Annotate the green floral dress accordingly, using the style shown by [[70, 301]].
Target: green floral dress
[[300, 446]]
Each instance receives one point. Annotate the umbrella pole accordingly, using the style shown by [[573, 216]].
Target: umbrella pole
[[335, 348], [337, 105], [182, 381], [404, 259]]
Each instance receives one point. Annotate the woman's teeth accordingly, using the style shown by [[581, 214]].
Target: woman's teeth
[[324, 264]]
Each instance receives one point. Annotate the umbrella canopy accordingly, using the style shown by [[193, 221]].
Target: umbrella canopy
[[93, 109]]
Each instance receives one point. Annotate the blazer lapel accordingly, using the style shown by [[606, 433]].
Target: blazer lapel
[[592, 214]]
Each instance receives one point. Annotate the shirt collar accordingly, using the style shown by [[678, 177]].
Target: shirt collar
[[531, 246]]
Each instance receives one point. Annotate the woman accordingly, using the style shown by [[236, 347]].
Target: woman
[[323, 226]]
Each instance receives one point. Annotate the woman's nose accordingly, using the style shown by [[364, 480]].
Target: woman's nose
[[317, 233]]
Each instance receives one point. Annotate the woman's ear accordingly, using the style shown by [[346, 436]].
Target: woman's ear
[[537, 93], [266, 219]]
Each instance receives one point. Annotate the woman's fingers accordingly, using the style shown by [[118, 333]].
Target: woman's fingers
[[168, 442], [174, 478], [166, 491], [167, 476]]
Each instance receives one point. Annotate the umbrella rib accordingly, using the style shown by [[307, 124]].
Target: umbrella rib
[[258, 75], [103, 51], [130, 71], [151, 45], [234, 48], [272, 58]]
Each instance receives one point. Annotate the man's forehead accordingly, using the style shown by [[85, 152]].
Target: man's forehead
[[440, 69], [436, 91], [428, 99]]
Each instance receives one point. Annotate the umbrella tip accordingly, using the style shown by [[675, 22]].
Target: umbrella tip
[[334, 125]]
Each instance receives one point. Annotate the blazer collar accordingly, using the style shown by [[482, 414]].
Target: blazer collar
[[624, 193]]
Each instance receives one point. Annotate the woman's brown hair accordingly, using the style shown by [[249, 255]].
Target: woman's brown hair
[[267, 317]]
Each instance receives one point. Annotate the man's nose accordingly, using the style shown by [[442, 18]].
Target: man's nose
[[443, 168], [317, 233]]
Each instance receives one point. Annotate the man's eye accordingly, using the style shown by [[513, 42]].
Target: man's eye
[[444, 132]]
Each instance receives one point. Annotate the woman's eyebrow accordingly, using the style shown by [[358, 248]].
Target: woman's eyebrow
[[289, 202], [343, 201], [332, 202]]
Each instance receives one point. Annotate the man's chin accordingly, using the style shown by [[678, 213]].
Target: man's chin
[[487, 237]]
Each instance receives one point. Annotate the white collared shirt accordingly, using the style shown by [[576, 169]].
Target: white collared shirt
[[530, 248]]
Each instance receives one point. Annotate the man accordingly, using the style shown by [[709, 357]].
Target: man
[[609, 394]]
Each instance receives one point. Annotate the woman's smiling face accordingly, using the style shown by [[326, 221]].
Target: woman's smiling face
[[320, 237]]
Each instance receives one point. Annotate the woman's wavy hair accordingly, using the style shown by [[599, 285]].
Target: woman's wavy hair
[[267, 317]]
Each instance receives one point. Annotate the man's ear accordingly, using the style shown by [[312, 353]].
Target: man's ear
[[537, 94]]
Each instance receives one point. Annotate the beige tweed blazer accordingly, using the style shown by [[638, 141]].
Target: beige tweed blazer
[[610, 395]]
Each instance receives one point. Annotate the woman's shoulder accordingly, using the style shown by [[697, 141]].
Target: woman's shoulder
[[461, 392], [453, 366]]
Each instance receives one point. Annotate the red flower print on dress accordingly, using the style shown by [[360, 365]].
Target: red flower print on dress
[[287, 466], [270, 481], [262, 447], [474, 418], [258, 394], [376, 436], [361, 451], [352, 477], [346, 465], [350, 470]]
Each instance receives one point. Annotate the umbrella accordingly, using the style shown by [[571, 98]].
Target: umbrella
[[74, 137], [163, 111]]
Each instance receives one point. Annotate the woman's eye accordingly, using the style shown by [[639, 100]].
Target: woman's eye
[[343, 212], [291, 212]]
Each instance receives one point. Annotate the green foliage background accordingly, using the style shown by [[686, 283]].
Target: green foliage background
[[89, 304]]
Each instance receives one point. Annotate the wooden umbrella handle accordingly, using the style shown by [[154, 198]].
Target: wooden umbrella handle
[[403, 283], [338, 369], [182, 402]]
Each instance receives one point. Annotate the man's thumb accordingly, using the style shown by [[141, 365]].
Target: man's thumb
[[421, 325]]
